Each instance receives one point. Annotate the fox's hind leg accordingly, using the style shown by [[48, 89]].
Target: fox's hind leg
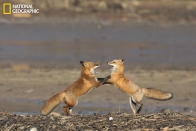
[[133, 105], [70, 103], [65, 109], [70, 111], [140, 108]]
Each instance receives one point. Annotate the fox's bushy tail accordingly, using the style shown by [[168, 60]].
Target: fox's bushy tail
[[53, 102], [157, 94]]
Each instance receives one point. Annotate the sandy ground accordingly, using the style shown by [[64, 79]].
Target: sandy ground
[[26, 90]]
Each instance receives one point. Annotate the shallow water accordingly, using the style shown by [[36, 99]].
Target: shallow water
[[142, 45]]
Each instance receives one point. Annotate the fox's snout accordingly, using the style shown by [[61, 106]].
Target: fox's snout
[[97, 65]]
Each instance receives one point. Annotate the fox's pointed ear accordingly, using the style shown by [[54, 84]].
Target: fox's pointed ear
[[82, 63], [122, 60]]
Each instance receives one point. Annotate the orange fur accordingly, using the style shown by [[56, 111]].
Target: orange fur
[[80, 87], [136, 93]]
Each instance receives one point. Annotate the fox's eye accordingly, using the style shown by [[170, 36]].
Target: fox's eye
[[85, 64]]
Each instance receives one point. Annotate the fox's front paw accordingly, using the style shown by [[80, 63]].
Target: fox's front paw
[[104, 80], [107, 78], [101, 80]]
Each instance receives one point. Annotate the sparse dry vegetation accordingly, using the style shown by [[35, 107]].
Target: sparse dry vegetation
[[120, 121]]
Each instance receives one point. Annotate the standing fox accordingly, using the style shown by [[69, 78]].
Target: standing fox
[[80, 87], [136, 93]]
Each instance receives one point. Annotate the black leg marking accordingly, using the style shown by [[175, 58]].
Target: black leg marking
[[140, 108]]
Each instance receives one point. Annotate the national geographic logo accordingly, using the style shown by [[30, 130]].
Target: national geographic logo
[[9, 8]]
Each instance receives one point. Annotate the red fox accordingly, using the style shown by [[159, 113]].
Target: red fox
[[80, 87], [136, 93]]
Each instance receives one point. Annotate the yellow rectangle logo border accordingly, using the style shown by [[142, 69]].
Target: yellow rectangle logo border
[[10, 8]]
